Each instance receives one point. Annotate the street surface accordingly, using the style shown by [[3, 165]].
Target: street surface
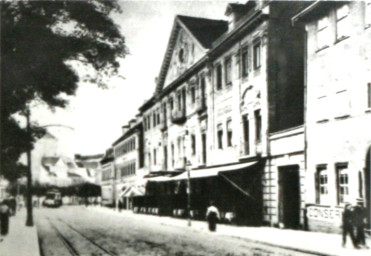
[[75, 230]]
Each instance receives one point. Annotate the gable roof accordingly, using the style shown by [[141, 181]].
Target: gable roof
[[49, 160], [204, 31]]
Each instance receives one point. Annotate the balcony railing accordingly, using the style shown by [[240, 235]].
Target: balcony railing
[[201, 105], [178, 116]]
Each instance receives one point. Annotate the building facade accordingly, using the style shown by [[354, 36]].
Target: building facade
[[338, 67], [224, 90], [128, 164], [106, 178]]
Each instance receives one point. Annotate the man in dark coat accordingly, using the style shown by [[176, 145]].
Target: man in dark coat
[[212, 216], [4, 218], [348, 225], [359, 222]]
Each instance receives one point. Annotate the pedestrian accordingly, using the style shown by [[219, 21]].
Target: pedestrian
[[359, 221], [348, 225], [212, 216], [4, 219]]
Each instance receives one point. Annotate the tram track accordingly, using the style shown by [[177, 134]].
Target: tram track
[[70, 245]]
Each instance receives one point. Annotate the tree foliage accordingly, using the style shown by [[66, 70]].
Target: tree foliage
[[42, 42]]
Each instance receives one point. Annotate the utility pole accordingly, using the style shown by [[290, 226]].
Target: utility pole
[[29, 220], [188, 167]]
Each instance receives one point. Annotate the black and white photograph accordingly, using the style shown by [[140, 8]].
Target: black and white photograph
[[185, 128]]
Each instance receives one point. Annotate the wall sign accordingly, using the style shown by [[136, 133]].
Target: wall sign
[[325, 213]]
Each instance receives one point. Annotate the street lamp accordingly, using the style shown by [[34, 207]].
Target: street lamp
[[29, 220], [188, 169]]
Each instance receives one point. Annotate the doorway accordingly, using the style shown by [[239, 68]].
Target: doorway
[[289, 196]]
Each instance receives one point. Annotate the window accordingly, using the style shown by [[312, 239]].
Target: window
[[193, 94], [204, 147], [321, 184], [154, 156], [368, 13], [245, 62], [172, 155], [145, 124], [154, 119], [158, 116], [220, 136], [179, 95], [342, 22], [322, 108], [218, 76], [258, 125], [369, 95], [246, 136], [342, 183], [257, 55], [323, 33], [203, 88], [149, 122], [342, 104], [171, 102], [229, 133], [193, 144], [228, 71]]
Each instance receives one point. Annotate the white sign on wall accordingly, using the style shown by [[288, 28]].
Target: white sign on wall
[[325, 213]]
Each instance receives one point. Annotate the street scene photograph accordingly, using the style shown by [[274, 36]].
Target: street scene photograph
[[185, 128]]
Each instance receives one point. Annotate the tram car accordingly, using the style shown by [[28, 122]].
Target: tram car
[[53, 198]]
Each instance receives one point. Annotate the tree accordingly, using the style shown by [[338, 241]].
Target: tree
[[42, 43]]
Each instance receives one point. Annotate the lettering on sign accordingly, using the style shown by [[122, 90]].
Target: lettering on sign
[[325, 213]]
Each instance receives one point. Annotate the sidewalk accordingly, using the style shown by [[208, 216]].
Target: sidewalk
[[302, 241], [21, 240]]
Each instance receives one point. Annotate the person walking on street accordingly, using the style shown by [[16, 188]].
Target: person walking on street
[[348, 225], [359, 221], [212, 216], [4, 219]]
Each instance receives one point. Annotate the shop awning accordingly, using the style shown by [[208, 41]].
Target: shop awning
[[207, 172], [132, 191]]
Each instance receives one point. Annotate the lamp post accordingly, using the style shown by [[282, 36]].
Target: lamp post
[[188, 168], [29, 219]]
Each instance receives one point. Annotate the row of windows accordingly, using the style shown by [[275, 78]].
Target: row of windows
[[128, 169], [342, 184], [127, 147], [181, 150], [340, 103], [242, 61], [343, 25]]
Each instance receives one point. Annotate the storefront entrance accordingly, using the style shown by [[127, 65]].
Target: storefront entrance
[[289, 196]]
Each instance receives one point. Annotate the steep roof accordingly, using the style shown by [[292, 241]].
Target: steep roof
[[49, 160], [206, 31]]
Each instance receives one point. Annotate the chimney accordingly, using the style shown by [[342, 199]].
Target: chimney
[[132, 122], [236, 11], [125, 128]]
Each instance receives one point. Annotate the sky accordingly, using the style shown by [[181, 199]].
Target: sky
[[94, 116]]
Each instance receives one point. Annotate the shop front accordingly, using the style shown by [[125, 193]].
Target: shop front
[[235, 189]]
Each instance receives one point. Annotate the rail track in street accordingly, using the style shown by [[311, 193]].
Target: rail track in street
[[73, 245]]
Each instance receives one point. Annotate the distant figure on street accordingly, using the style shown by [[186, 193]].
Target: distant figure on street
[[4, 219], [12, 203], [212, 216], [359, 221], [348, 225]]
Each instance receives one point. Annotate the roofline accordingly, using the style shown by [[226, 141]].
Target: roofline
[[128, 133], [305, 11]]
